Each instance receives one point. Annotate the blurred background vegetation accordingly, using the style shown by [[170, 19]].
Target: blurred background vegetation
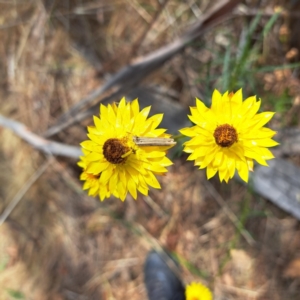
[[58, 243]]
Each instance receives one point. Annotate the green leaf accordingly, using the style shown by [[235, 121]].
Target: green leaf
[[15, 294], [270, 24]]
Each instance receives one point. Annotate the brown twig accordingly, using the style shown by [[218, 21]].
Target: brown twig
[[232, 217], [137, 44], [49, 147], [19, 195]]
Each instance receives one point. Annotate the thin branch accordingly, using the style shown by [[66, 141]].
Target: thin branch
[[268, 12], [49, 147], [20, 194], [232, 217], [137, 44]]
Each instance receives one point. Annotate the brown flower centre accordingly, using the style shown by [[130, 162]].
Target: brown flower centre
[[225, 135], [114, 149]]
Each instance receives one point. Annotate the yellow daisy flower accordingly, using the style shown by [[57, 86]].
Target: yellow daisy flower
[[113, 163], [229, 135], [197, 291]]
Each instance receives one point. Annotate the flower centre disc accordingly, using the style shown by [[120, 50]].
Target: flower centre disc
[[113, 150], [225, 135]]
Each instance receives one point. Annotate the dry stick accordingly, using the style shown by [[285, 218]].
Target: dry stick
[[133, 74], [49, 147], [232, 217], [17, 198], [137, 44], [268, 12]]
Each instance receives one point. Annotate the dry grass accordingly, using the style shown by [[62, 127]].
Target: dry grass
[[60, 244]]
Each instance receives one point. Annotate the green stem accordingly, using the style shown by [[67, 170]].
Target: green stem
[[178, 137]]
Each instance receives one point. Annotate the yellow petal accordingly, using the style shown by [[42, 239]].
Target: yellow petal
[[261, 143], [103, 112], [231, 167], [98, 123], [211, 172], [250, 164], [261, 133], [155, 154], [131, 186], [237, 97], [135, 108], [262, 119], [94, 156], [156, 132], [218, 160], [209, 157], [222, 174], [155, 120], [188, 131], [122, 191], [151, 180], [242, 168], [99, 140], [141, 117], [112, 183], [106, 174], [143, 190], [97, 167], [165, 161], [156, 168], [90, 145], [201, 151], [255, 154], [216, 102], [250, 107]]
